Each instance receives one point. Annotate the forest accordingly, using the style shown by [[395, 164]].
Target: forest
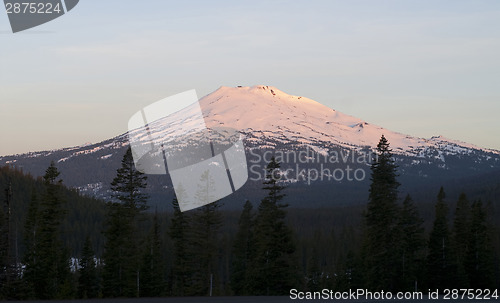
[[58, 244]]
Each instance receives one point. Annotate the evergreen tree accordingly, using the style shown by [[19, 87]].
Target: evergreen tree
[[128, 184], [412, 245], [121, 254], [88, 282], [11, 285], [48, 265], [461, 234], [381, 247], [441, 271], [181, 270], [152, 270], [479, 262], [119, 270], [30, 258], [243, 252], [274, 268], [204, 241], [4, 247]]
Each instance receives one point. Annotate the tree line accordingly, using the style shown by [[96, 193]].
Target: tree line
[[195, 254], [133, 262], [396, 253]]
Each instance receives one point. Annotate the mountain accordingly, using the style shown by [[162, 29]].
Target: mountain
[[313, 142], [265, 111]]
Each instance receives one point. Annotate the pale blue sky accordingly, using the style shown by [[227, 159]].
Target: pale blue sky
[[418, 67]]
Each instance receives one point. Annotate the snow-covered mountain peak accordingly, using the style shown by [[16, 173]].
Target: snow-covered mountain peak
[[265, 111], [267, 115], [262, 90], [262, 104], [269, 119]]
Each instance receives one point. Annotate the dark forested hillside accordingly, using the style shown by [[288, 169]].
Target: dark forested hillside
[[84, 215], [212, 250]]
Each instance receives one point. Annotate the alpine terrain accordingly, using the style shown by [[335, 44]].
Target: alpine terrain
[[325, 154]]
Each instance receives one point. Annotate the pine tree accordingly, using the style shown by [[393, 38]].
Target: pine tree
[[412, 245], [381, 247], [243, 252], [441, 271], [152, 269], [48, 267], [88, 282], [461, 234], [119, 270], [274, 268], [11, 286], [204, 242], [196, 240], [30, 258], [128, 184], [181, 270], [479, 261], [121, 254], [4, 248]]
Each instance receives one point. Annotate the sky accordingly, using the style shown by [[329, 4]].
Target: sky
[[422, 68]]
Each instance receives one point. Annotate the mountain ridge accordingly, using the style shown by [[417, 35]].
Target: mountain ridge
[[310, 113], [271, 120], [212, 115]]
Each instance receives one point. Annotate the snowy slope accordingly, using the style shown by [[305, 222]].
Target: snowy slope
[[264, 112], [268, 118]]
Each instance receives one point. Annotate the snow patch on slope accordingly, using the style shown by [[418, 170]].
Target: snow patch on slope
[[268, 115], [263, 109]]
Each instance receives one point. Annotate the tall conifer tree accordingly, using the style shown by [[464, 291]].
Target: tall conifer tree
[[181, 269], [441, 269], [243, 251], [30, 258], [204, 239], [479, 260], [88, 281], [121, 275], [152, 270], [52, 259], [4, 246], [412, 245], [274, 268], [461, 235], [381, 247]]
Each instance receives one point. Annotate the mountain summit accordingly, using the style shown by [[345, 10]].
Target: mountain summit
[[267, 112], [271, 120]]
